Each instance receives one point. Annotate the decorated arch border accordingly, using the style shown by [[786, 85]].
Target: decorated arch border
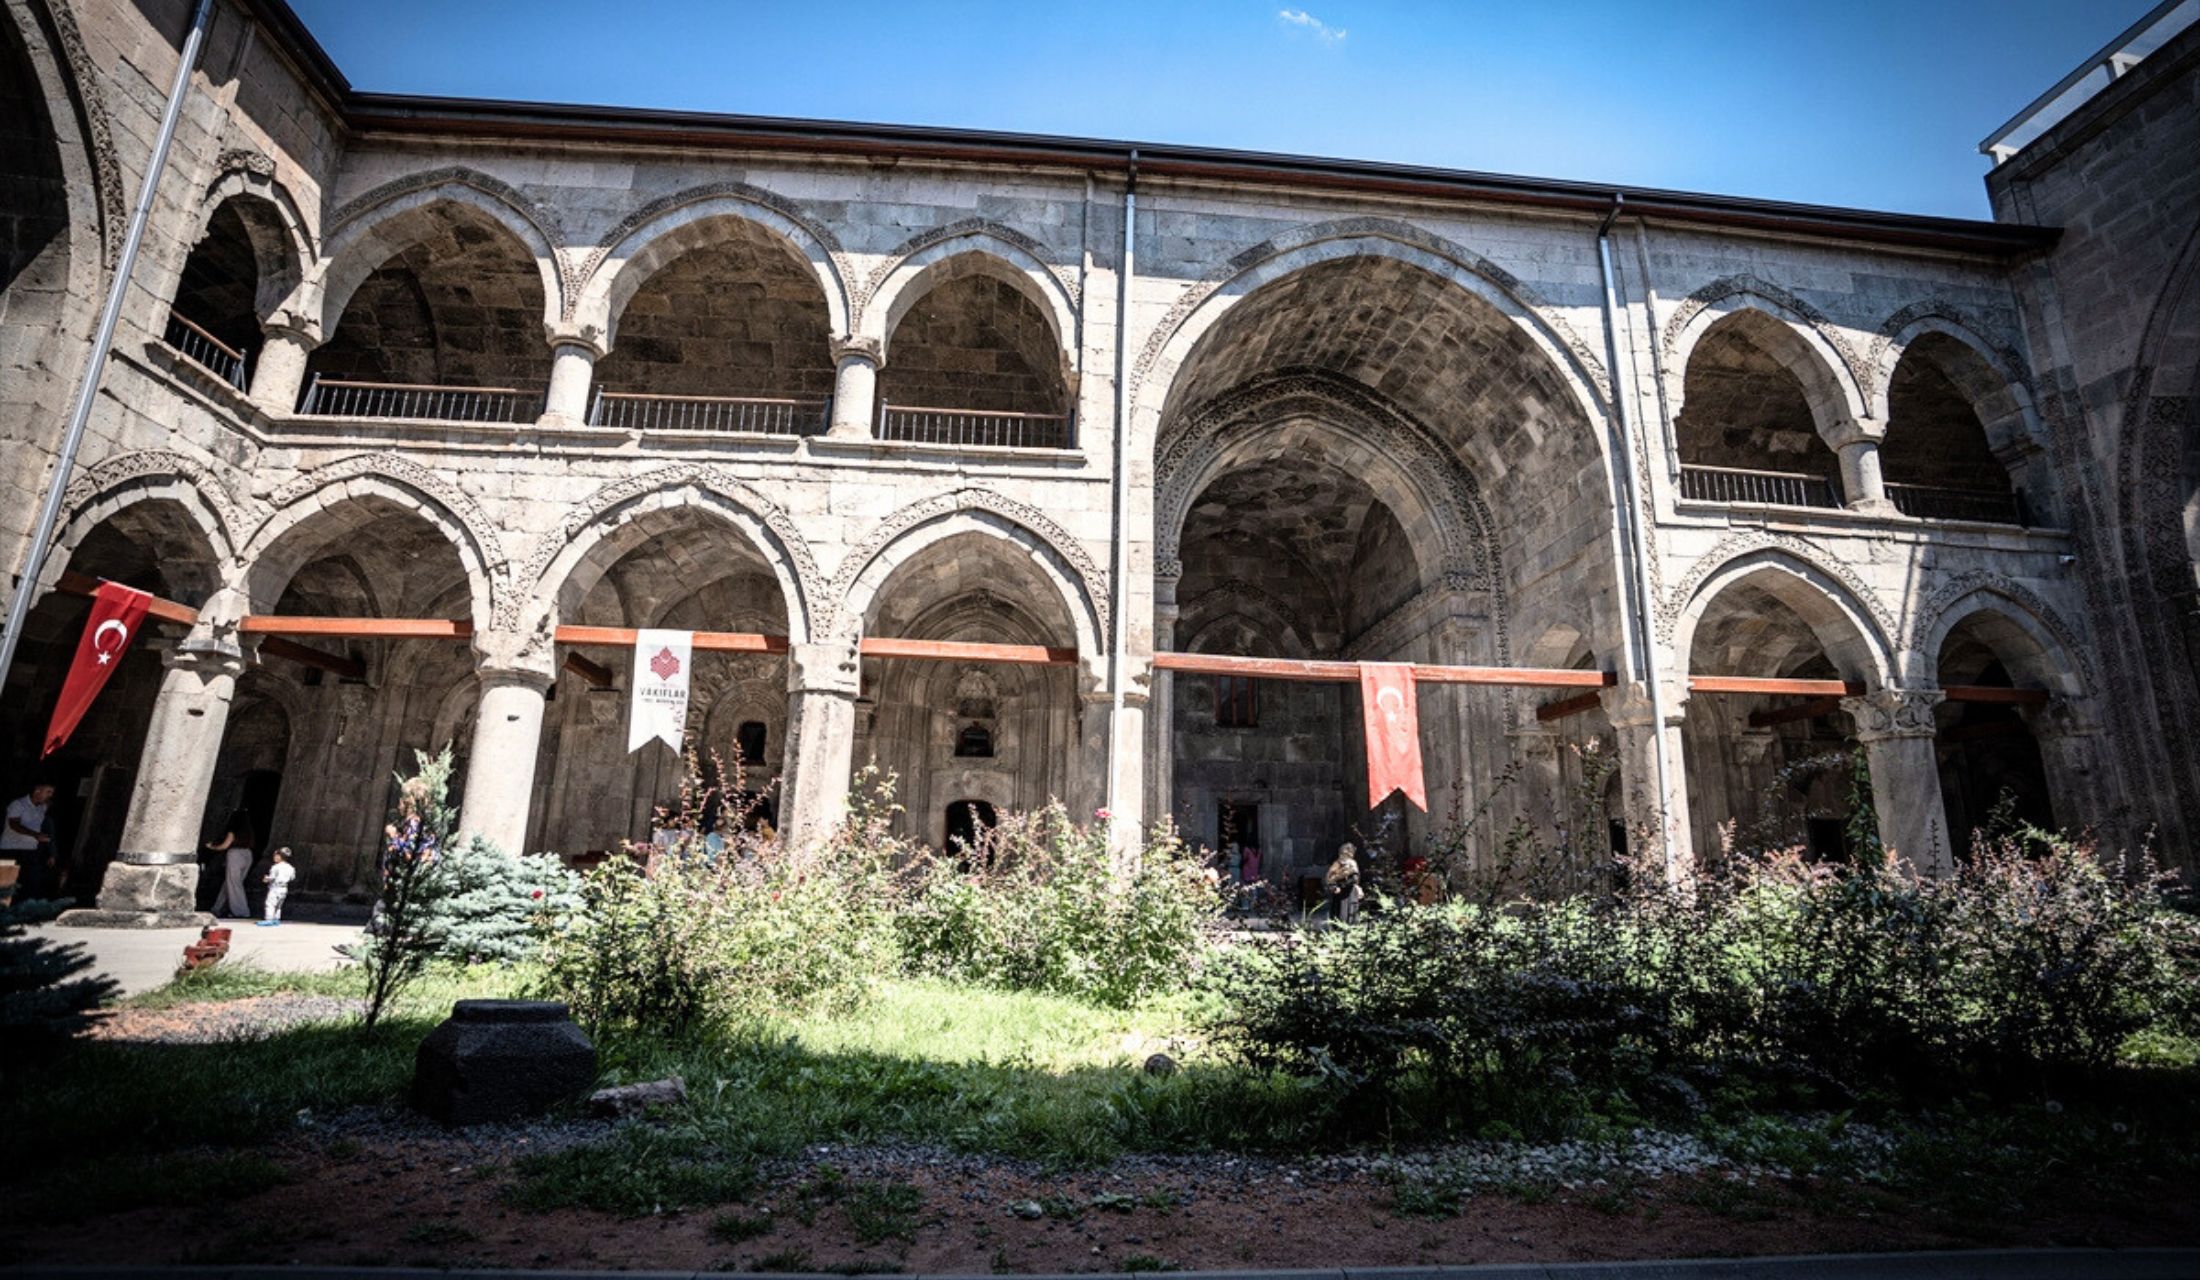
[[1848, 370], [1953, 599], [507, 204], [86, 102], [461, 519], [1051, 537], [122, 480], [778, 539], [1804, 554], [977, 231], [1535, 312]]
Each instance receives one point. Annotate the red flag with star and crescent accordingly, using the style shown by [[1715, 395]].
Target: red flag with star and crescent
[[1391, 716], [116, 612]]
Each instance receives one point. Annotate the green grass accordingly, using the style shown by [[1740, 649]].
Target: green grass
[[882, 1211], [641, 1171]]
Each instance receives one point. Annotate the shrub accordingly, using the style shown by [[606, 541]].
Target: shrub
[[701, 934], [398, 943], [491, 907], [1041, 904], [46, 987]]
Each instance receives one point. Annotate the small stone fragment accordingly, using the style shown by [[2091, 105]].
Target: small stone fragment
[[626, 1100]]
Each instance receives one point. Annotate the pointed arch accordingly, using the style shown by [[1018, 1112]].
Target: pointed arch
[[269, 559], [1794, 333], [2051, 656], [370, 230], [1838, 610], [1066, 565], [654, 235], [122, 480], [1991, 377], [567, 564], [975, 250], [1206, 303]]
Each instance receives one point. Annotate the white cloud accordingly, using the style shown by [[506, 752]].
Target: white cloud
[[1322, 30]]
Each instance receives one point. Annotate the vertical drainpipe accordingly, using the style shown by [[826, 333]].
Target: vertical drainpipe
[[1634, 538], [1119, 580], [103, 337]]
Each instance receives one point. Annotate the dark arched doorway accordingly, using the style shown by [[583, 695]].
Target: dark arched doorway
[[967, 820]]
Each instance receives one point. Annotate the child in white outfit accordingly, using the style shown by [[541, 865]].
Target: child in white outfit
[[278, 880]]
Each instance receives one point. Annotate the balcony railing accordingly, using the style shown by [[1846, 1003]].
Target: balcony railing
[[205, 350], [707, 413], [1928, 502], [984, 427], [1772, 488], [335, 398]]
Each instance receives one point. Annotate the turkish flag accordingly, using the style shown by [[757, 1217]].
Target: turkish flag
[[116, 612], [1392, 717]]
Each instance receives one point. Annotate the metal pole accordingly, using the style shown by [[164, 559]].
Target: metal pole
[[1120, 583], [1635, 536], [87, 392]]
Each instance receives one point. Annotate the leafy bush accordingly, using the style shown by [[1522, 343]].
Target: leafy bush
[[702, 934], [2033, 964], [491, 907], [398, 944], [1040, 904]]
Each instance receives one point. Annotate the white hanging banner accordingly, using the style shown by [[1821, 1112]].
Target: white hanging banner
[[659, 708]]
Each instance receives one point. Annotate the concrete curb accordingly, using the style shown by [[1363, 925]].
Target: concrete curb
[[1982, 1264]]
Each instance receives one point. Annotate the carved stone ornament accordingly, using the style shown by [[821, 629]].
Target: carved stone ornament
[[1894, 713]]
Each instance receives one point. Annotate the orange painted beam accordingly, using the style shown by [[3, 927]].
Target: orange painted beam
[[708, 641], [1775, 685], [967, 651], [270, 624], [1994, 693], [83, 584], [1426, 673]]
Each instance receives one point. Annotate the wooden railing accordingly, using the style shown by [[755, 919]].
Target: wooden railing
[[204, 349], [1930, 502], [1772, 488], [707, 413], [332, 397], [985, 427]]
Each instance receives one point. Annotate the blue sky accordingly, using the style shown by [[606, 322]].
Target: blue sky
[[1872, 103]]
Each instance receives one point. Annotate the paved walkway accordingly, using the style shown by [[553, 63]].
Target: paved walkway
[[142, 959], [1984, 1264]]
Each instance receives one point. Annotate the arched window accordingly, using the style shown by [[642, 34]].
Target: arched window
[[751, 738], [975, 742]]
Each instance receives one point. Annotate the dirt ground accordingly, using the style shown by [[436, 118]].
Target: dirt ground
[[435, 1201]]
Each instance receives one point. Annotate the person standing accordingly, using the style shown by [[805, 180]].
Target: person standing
[[236, 847], [1343, 883], [26, 839], [278, 879]]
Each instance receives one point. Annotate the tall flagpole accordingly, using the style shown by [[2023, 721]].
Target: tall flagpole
[[87, 391]]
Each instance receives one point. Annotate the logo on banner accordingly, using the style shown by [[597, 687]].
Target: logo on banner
[[658, 710]]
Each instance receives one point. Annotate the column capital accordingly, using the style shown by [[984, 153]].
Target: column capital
[[294, 326], [831, 667], [849, 346], [511, 657], [569, 333], [208, 655], [1893, 713], [1851, 431]]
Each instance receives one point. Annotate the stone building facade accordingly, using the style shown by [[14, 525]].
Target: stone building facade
[[527, 366]]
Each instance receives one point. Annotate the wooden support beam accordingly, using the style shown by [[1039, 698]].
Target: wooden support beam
[[1995, 693], [278, 647], [1565, 707], [966, 651], [83, 584], [595, 673], [269, 624], [1216, 664], [1775, 685], [708, 641], [1810, 710]]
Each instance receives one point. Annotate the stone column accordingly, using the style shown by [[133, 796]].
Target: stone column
[[856, 362], [280, 371], [2080, 786], [1648, 813], [573, 356], [1896, 729], [1127, 757], [1161, 711], [822, 682], [1857, 441], [500, 766], [154, 880], [1088, 783]]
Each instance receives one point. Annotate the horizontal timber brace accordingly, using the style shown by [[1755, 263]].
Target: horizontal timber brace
[[280, 628]]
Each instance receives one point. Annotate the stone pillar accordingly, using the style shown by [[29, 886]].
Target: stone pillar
[[154, 880], [1648, 813], [1896, 729], [573, 356], [1857, 441], [1088, 782], [856, 362], [280, 371], [822, 682], [1127, 758], [500, 766], [2080, 787], [1161, 710]]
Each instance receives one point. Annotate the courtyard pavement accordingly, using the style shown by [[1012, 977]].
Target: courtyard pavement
[[142, 959]]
